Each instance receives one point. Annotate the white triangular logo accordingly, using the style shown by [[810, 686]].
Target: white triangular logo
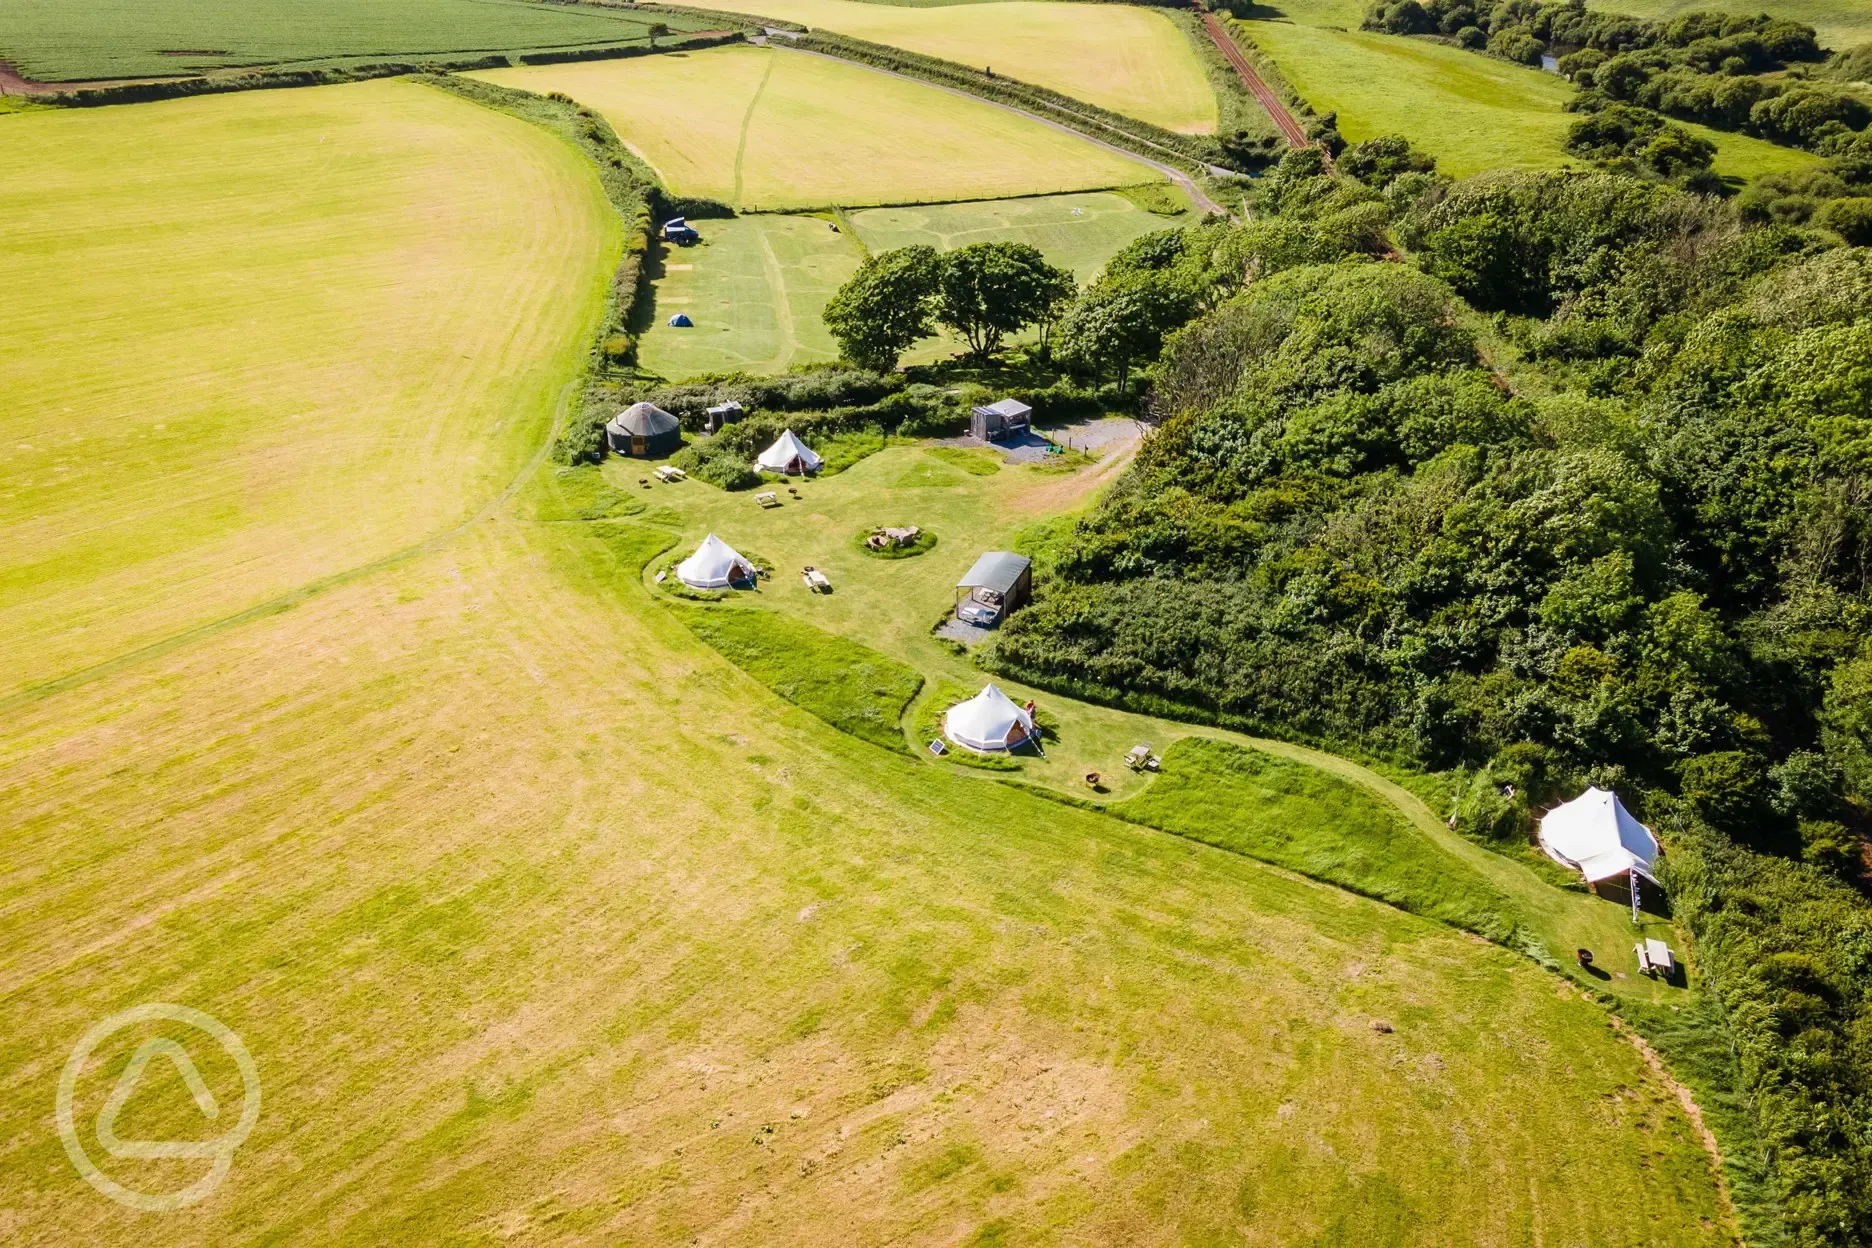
[[126, 1087]]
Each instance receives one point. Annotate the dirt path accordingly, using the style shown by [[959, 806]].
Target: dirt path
[[1182, 180], [1285, 121]]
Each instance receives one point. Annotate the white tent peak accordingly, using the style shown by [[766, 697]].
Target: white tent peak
[[988, 721], [1596, 836], [789, 454], [715, 564]]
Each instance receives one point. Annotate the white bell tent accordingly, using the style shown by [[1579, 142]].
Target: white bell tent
[[988, 721], [714, 566], [790, 455], [1595, 835]]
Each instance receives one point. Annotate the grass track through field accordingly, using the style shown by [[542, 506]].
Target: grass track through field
[[747, 123], [813, 131]]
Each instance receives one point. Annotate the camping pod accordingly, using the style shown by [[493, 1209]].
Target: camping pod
[[644, 431], [987, 722], [789, 455], [714, 565]]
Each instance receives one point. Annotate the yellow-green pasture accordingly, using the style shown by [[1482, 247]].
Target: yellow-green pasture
[[541, 921], [1128, 59], [755, 288], [257, 339], [763, 128], [1077, 232], [1471, 112], [757, 285]]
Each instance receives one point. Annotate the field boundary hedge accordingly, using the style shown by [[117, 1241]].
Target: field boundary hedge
[[1152, 142], [276, 79], [629, 184]]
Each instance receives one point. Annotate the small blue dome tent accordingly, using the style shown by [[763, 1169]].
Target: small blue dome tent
[[681, 321]]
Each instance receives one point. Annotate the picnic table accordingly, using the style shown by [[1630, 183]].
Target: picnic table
[[767, 499], [1654, 958], [666, 473], [1140, 758], [815, 579]]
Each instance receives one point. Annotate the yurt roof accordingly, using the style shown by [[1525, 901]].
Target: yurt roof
[[645, 420]]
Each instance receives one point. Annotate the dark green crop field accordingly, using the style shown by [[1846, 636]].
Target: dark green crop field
[[65, 40]]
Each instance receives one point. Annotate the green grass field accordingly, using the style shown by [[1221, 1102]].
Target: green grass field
[[553, 909], [582, 933], [756, 285], [1472, 112], [766, 129], [1077, 232], [57, 40], [755, 288], [258, 339], [1128, 59]]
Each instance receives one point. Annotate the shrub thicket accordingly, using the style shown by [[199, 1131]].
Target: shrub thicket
[[1642, 559]]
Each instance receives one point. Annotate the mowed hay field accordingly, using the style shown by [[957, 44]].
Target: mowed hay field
[[1077, 232], [755, 287], [73, 39], [1128, 59], [262, 338], [1471, 112], [768, 129], [541, 921]]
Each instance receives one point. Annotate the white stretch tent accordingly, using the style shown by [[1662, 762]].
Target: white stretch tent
[[988, 721], [1596, 836], [714, 565], [789, 454]]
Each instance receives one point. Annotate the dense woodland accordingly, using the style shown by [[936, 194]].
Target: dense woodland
[[1546, 478], [1757, 75]]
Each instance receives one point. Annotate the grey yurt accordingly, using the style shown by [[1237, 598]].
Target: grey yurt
[[644, 431]]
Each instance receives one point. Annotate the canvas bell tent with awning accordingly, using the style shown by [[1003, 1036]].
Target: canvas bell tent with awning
[[789, 455], [644, 431], [1595, 835], [715, 565], [987, 722]]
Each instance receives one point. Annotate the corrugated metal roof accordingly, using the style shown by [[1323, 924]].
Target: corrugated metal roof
[[998, 570]]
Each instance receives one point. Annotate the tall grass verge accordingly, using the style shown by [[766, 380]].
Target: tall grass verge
[[851, 687]]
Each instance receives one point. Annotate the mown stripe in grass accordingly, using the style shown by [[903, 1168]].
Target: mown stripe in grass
[[1301, 818], [851, 687]]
